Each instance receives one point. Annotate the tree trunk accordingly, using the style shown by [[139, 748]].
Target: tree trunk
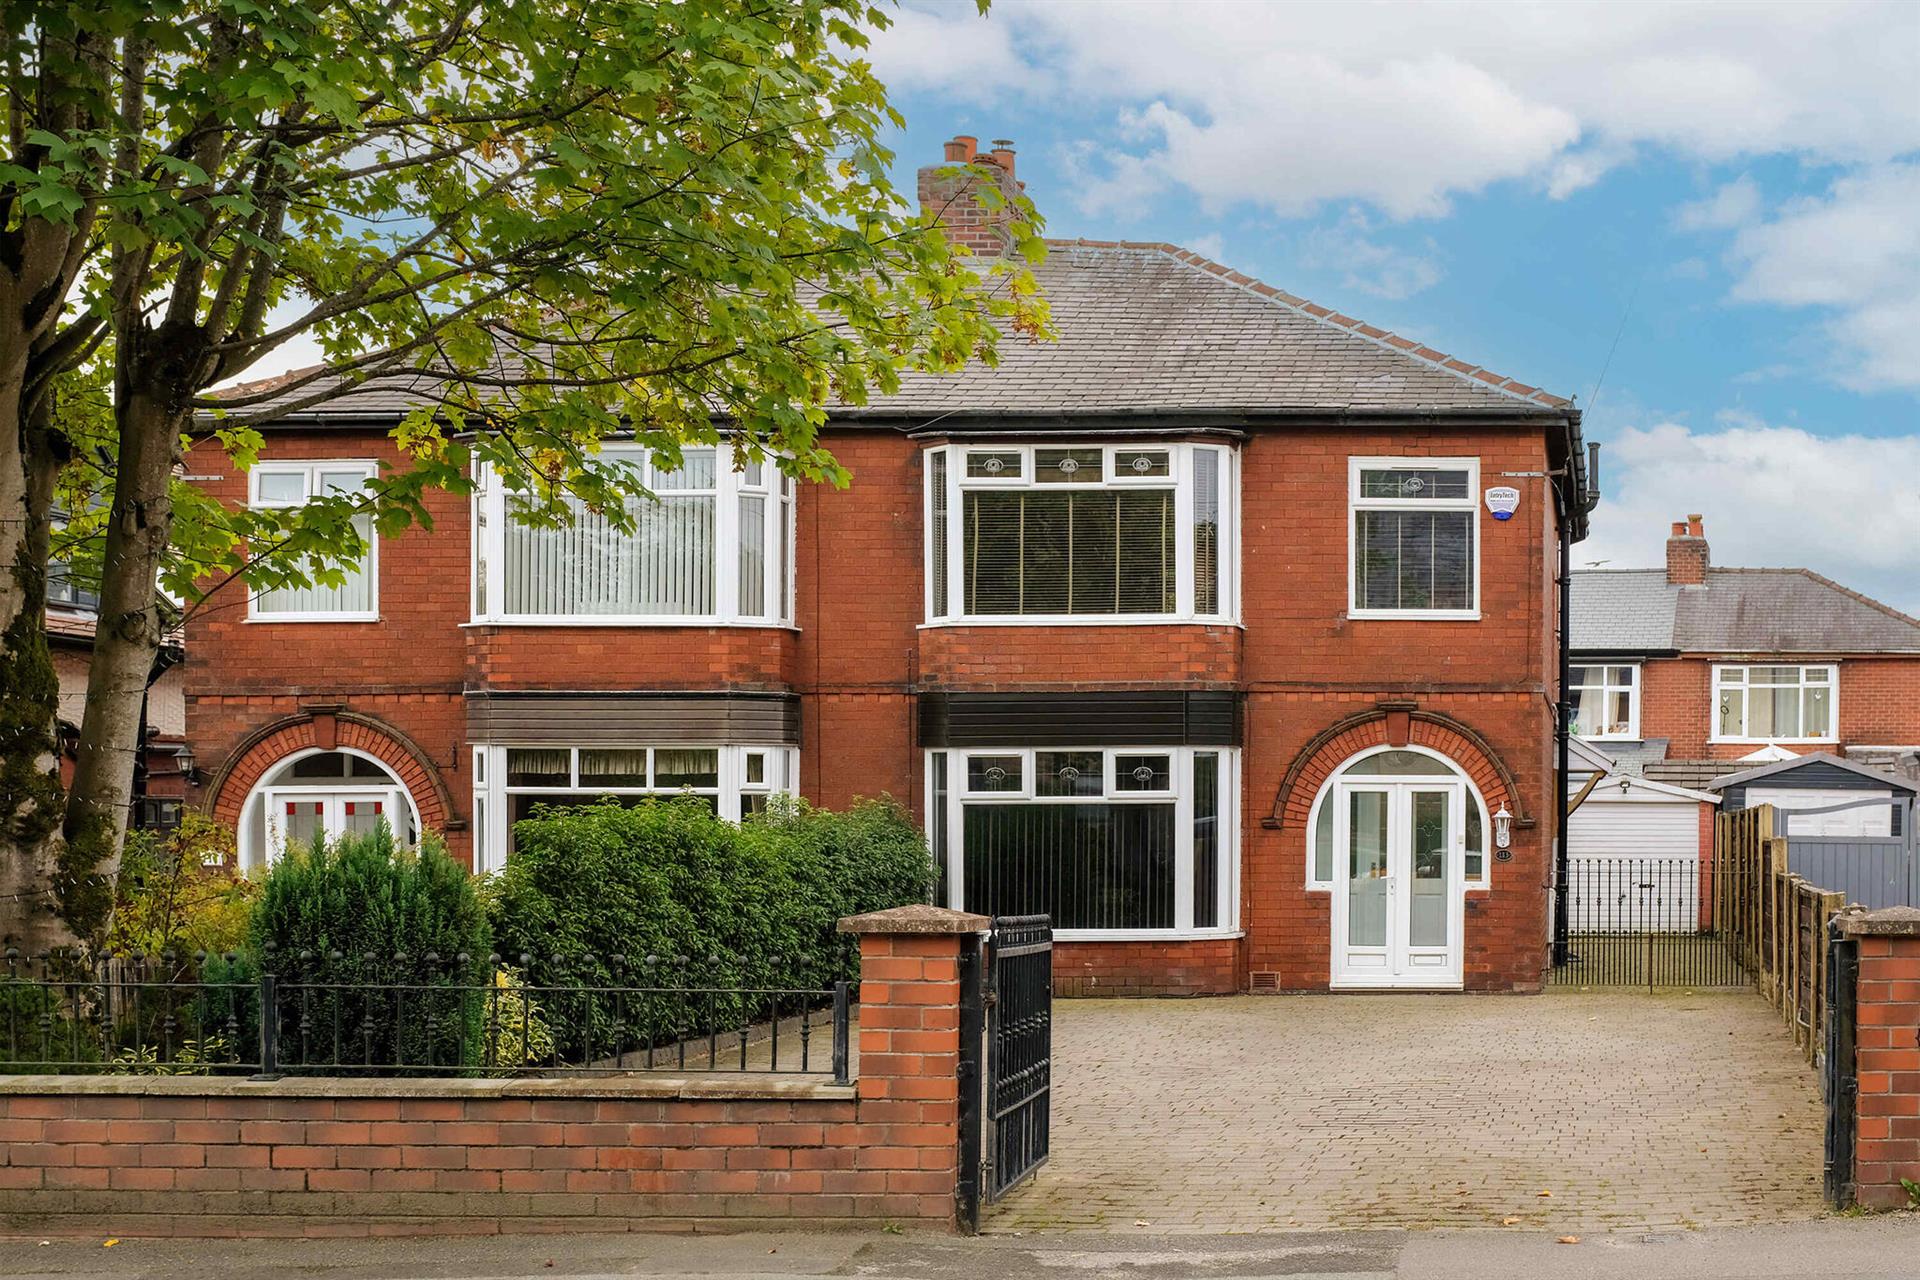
[[148, 414], [30, 792]]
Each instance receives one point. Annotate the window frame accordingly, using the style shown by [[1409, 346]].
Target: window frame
[[267, 791], [1746, 685], [1180, 794], [1606, 687], [1472, 884], [311, 469], [487, 563], [493, 795], [1181, 482], [1357, 504]]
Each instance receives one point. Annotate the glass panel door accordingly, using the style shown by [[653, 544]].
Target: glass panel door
[[1430, 843], [1369, 875]]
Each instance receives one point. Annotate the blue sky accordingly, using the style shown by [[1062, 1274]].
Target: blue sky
[[1732, 190]]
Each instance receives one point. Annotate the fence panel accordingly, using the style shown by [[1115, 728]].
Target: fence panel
[[1869, 871]]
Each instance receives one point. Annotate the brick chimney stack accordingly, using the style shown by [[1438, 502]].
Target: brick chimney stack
[[1687, 553], [950, 197]]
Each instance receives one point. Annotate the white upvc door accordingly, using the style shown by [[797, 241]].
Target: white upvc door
[[1398, 892]]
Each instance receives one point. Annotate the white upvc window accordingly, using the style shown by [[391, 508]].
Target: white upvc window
[[1076, 533], [1113, 843], [712, 546], [1606, 700], [1413, 538], [1776, 703], [316, 793], [1410, 766], [509, 782], [294, 484]]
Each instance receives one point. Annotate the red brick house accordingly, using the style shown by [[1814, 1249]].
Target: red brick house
[[1694, 671], [1196, 629]]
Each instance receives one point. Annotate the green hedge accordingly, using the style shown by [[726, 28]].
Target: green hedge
[[592, 892]]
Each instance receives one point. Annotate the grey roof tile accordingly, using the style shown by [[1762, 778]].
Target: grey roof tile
[[1760, 611]]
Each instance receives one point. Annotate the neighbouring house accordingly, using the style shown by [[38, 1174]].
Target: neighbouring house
[[161, 775], [1223, 630]]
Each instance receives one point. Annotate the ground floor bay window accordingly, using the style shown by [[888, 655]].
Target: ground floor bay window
[[511, 782], [1112, 843]]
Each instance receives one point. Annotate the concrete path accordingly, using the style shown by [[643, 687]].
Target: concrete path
[[1578, 1112], [1886, 1248]]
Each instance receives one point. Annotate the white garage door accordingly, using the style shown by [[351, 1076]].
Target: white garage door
[[1869, 820], [1634, 866]]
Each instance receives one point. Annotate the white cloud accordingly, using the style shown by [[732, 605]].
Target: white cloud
[[1855, 253], [1733, 205], [1368, 265], [1117, 184], [1406, 106], [1773, 496]]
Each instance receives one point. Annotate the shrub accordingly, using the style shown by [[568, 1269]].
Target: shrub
[[664, 894], [177, 893], [348, 926]]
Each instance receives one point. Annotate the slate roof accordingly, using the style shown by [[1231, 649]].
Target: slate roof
[[1759, 611], [1148, 328]]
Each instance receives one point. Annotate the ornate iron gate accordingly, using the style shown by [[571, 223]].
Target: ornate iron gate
[[1019, 1078], [1653, 922]]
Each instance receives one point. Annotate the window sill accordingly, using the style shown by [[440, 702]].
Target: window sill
[[1146, 935], [1772, 742], [281, 619], [642, 623], [1069, 620], [1413, 615]]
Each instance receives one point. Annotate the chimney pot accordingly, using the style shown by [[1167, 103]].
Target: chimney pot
[[962, 149], [1002, 154], [1694, 527], [1687, 558]]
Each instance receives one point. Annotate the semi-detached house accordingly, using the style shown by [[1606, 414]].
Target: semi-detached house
[[1223, 630]]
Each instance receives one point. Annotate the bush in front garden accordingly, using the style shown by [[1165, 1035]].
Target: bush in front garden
[[364, 938], [754, 905]]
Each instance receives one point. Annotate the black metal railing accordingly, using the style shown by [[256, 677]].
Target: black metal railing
[[367, 1015], [1019, 1088], [1652, 922]]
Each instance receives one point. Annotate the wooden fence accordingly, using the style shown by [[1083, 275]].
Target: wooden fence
[[1776, 921]]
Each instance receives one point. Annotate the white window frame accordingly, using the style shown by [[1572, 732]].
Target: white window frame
[[492, 794], [1606, 689], [1180, 793], [1473, 884], [1720, 681], [330, 790], [311, 470], [1181, 482], [488, 563], [1357, 504]]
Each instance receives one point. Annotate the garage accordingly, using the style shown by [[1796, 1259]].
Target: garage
[[1634, 850]]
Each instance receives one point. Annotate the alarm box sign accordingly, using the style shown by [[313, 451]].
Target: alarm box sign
[[1503, 501]]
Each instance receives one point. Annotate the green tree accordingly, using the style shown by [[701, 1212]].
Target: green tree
[[562, 218]]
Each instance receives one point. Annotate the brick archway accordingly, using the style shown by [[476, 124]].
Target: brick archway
[[1395, 726], [329, 730]]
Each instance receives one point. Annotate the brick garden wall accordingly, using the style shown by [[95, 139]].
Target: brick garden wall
[[194, 1156], [1887, 1055]]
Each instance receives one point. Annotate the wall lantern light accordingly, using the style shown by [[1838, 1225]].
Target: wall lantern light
[[1502, 828]]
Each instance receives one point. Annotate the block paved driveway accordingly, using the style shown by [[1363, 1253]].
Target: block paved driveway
[[1254, 1113]]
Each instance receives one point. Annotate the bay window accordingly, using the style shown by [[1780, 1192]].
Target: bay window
[[1415, 547], [1110, 842], [294, 484], [510, 782], [1079, 532], [1775, 703], [1606, 701], [712, 544]]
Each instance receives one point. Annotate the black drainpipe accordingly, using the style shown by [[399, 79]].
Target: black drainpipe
[[1587, 495]]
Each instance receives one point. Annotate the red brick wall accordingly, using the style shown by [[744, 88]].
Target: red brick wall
[[1203, 968], [185, 1156], [860, 656], [1877, 704], [1887, 1137]]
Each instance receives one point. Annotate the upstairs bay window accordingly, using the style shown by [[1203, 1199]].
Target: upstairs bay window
[[1775, 703], [1080, 532], [294, 484], [712, 545], [1111, 843], [1415, 546]]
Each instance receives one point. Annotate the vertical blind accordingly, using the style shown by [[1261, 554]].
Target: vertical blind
[[1413, 559], [1089, 866], [1093, 552]]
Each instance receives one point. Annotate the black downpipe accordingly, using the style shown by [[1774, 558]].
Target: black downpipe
[[1562, 723]]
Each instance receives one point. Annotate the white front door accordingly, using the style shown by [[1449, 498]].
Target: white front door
[[1398, 901]]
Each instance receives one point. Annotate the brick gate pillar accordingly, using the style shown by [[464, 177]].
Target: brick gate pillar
[[1887, 1055], [909, 1077]]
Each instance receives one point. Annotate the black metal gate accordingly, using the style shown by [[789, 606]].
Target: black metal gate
[[1840, 1079], [1019, 1078], [1652, 922]]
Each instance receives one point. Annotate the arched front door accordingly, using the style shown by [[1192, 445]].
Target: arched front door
[[1401, 825]]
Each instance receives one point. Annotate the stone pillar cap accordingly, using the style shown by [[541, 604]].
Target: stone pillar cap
[[1887, 922], [919, 919]]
